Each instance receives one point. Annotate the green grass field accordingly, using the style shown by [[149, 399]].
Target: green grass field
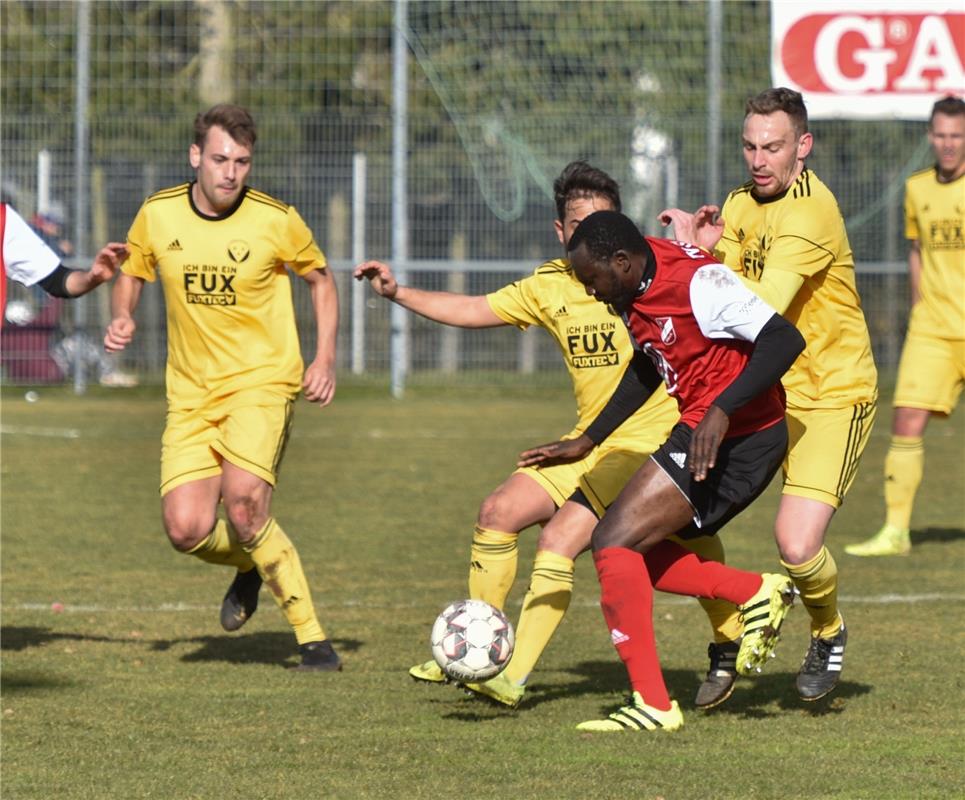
[[134, 691]]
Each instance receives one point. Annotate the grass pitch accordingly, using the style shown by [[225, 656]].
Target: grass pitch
[[134, 691]]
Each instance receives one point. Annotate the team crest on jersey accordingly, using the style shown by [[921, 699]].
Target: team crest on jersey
[[238, 251], [667, 333]]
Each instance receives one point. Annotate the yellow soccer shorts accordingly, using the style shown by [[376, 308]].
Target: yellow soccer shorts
[[931, 373], [824, 449], [601, 475], [249, 431]]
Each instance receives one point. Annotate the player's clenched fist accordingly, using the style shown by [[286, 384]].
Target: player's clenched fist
[[119, 334]]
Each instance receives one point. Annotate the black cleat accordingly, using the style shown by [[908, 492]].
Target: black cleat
[[319, 657], [241, 600], [719, 683], [822, 666]]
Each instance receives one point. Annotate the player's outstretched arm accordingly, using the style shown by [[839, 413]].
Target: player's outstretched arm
[[105, 266], [560, 452], [318, 385], [639, 381], [124, 299], [703, 228], [459, 310]]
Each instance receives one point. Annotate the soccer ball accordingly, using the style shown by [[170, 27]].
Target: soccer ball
[[472, 641]]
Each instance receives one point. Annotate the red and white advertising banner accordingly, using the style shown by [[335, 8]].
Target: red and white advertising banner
[[869, 59]]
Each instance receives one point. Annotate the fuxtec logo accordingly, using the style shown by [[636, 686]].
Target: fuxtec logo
[[592, 345], [946, 234], [238, 251], [209, 284]]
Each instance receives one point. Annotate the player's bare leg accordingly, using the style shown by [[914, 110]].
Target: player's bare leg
[[514, 505], [192, 525], [547, 599], [648, 510], [799, 531], [247, 501]]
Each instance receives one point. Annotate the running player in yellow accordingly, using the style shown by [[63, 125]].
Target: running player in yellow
[[234, 366], [783, 232], [567, 499], [932, 368]]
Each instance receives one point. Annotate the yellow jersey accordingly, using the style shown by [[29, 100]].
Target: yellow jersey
[[595, 345], [935, 216], [230, 319], [802, 231]]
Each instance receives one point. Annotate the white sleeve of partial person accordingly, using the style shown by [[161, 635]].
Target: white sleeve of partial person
[[723, 307], [26, 258]]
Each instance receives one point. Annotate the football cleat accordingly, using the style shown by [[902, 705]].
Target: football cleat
[[241, 600], [763, 616], [822, 666], [719, 683], [637, 716], [428, 671], [319, 657], [500, 688], [889, 541]]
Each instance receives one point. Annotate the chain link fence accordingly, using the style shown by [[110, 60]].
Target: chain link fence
[[98, 100]]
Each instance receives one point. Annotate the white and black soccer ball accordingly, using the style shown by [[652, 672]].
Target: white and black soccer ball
[[472, 641]]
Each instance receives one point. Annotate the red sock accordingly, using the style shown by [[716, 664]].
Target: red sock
[[677, 570], [626, 598]]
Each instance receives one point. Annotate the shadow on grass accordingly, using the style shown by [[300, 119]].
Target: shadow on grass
[[16, 681], [936, 535], [273, 648], [16, 637], [752, 699], [270, 648]]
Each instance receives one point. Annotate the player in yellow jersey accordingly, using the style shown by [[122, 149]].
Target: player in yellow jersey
[[567, 499], [932, 367], [234, 366], [783, 232]]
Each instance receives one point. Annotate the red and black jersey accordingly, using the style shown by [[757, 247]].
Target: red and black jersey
[[698, 323]]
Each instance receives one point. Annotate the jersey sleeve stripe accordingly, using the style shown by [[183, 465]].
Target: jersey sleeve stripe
[[165, 194], [268, 200]]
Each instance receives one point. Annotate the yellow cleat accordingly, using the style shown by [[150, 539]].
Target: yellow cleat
[[429, 671], [889, 541], [636, 716], [501, 689], [763, 616]]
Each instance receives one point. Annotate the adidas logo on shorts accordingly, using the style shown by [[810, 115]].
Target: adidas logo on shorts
[[679, 459]]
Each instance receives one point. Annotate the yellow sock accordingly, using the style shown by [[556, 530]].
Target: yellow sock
[[904, 466], [492, 568], [281, 570], [722, 615], [221, 546], [817, 581], [545, 604]]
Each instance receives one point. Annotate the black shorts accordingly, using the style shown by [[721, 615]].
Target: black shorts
[[744, 468]]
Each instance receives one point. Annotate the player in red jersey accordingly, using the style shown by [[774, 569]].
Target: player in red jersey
[[721, 352]]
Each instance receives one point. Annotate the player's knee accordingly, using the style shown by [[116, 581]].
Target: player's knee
[[797, 551], [246, 515], [564, 540], [495, 513], [605, 535], [909, 421], [186, 532]]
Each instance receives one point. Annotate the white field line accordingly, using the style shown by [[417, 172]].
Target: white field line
[[27, 430], [179, 608]]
